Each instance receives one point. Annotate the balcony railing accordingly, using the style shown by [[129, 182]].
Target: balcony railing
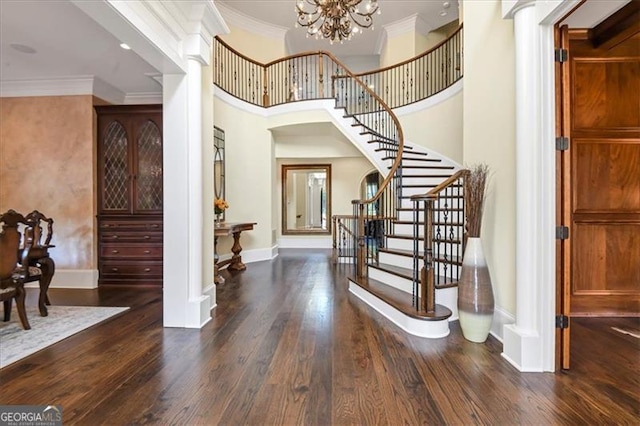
[[316, 75]]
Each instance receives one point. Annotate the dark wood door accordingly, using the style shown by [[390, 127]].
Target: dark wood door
[[604, 174]]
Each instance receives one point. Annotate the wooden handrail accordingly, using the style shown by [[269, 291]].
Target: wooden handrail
[[415, 58], [433, 193]]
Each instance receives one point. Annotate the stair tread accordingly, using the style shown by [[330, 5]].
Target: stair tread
[[428, 167], [395, 270], [400, 300], [428, 160]]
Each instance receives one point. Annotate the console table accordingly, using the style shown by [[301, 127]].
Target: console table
[[235, 263]]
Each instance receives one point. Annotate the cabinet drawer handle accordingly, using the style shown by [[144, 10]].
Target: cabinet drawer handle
[[115, 251], [155, 225], [115, 237], [147, 269], [114, 269], [147, 251], [146, 237]]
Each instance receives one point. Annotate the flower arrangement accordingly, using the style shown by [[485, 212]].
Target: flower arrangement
[[220, 205], [474, 192]]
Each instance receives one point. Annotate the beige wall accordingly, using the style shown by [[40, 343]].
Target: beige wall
[[259, 48], [438, 128], [398, 49], [489, 134], [424, 43], [47, 162], [249, 170]]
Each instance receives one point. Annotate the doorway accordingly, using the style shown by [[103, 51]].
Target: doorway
[[598, 182]]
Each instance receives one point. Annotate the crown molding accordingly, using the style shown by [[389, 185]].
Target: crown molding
[[75, 86], [250, 24], [143, 98], [408, 24]]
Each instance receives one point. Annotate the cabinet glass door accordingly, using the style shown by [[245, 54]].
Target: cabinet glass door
[[149, 173], [115, 168]]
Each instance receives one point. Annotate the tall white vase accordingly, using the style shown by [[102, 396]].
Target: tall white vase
[[475, 294]]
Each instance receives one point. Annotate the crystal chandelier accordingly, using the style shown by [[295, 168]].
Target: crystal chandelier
[[336, 20]]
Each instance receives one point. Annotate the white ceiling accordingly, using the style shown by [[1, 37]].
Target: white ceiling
[[282, 15], [68, 44]]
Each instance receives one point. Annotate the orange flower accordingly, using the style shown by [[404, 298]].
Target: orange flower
[[220, 205]]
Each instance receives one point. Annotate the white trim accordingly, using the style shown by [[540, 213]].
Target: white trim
[[413, 326], [258, 255], [501, 318], [303, 242], [198, 312], [250, 24], [431, 101], [143, 98], [72, 278], [406, 25], [63, 86], [210, 292]]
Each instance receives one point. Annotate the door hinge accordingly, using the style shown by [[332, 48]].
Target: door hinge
[[561, 55], [562, 321], [562, 232], [562, 143]]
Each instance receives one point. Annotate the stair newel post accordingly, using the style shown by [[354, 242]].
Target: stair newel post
[[360, 249], [265, 93], [320, 75], [334, 238], [427, 287], [416, 252]]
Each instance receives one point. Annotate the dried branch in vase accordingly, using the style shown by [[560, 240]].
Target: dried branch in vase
[[474, 194]]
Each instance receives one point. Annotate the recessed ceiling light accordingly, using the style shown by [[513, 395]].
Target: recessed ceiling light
[[23, 48], [125, 46], [446, 5], [443, 13]]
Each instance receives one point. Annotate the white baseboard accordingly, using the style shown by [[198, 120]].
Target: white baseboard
[[323, 242], [500, 319], [72, 278], [256, 255], [210, 291]]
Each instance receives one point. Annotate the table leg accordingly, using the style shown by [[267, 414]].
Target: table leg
[[217, 278], [236, 260], [48, 268]]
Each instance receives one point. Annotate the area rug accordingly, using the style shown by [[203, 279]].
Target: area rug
[[62, 322]]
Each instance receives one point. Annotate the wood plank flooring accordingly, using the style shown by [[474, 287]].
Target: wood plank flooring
[[288, 345]]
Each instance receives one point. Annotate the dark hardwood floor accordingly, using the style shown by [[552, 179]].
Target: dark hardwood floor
[[288, 345]]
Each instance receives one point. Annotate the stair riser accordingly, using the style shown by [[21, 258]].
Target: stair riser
[[391, 280], [401, 244], [396, 260]]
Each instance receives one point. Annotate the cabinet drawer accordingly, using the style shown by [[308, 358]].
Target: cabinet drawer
[[124, 270], [112, 225], [131, 236], [142, 251]]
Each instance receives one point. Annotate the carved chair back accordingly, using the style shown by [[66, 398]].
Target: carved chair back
[[35, 232], [9, 245]]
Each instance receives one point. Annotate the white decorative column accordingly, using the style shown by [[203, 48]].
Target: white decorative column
[[529, 344], [526, 341]]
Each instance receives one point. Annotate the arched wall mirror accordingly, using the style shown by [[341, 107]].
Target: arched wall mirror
[[218, 164], [306, 199]]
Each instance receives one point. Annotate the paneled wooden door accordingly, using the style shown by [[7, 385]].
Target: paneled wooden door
[[602, 165]]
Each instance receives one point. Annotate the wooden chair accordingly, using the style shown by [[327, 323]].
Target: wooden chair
[[12, 277], [38, 254]]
